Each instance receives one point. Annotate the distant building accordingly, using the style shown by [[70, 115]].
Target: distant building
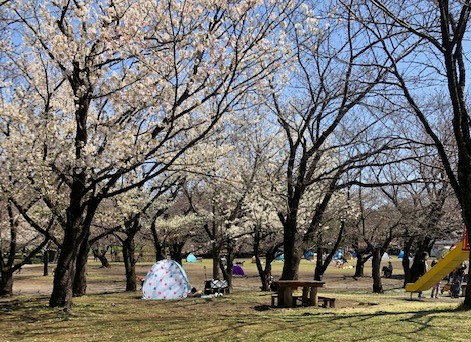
[[441, 248]]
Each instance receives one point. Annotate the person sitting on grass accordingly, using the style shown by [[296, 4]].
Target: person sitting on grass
[[194, 292], [388, 270], [141, 280]]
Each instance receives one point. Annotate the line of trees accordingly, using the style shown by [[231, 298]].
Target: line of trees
[[287, 125]]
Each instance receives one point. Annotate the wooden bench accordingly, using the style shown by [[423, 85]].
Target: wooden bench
[[327, 301], [285, 289], [274, 297]]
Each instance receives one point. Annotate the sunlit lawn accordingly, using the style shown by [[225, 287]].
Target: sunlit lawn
[[243, 315]]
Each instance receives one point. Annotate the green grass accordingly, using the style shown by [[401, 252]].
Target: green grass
[[243, 315]]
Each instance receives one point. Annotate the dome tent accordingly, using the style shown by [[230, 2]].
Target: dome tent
[[238, 270], [166, 280], [191, 258], [308, 255], [280, 257]]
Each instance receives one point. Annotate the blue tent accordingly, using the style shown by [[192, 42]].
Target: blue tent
[[280, 257], [308, 255], [191, 258], [339, 254], [401, 255]]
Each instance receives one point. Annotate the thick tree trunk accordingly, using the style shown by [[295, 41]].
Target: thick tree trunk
[[130, 264], [467, 293], [65, 270], [158, 246], [291, 253], [467, 214], [415, 270], [318, 272], [216, 252], [6, 283], [406, 262], [376, 271], [359, 268], [360, 264], [176, 251], [159, 252], [80, 279]]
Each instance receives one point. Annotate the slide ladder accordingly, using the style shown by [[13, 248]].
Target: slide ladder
[[441, 269]]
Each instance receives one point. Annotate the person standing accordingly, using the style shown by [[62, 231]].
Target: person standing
[[435, 287], [422, 268], [457, 280]]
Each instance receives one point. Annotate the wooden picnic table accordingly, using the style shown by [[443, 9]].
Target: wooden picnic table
[[285, 290]]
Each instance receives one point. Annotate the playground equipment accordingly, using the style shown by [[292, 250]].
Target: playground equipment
[[442, 268]]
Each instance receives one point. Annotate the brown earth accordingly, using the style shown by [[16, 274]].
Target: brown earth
[[30, 279]]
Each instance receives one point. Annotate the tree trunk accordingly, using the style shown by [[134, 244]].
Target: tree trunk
[[467, 292], [466, 214], [6, 283], [65, 270], [416, 264], [104, 261], [159, 247], [264, 274], [227, 269], [159, 252], [321, 265], [360, 264], [376, 272], [291, 253], [318, 273], [406, 262], [176, 251], [101, 255], [216, 259], [80, 279], [46, 263], [130, 263], [359, 268], [76, 231]]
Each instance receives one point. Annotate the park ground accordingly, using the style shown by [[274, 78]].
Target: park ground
[[107, 313]]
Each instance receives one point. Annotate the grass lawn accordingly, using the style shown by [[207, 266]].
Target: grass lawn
[[243, 315]]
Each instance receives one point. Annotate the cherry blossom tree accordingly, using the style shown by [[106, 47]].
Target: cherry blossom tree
[[106, 89]]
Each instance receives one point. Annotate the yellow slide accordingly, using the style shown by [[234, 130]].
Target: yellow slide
[[441, 269]]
